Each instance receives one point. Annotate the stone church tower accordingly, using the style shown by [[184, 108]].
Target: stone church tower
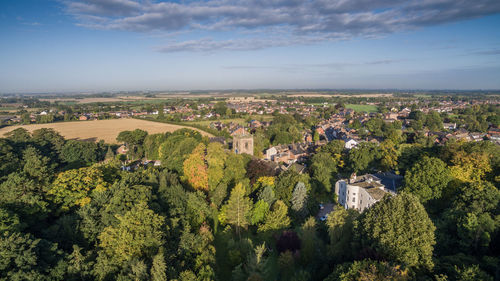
[[243, 144]]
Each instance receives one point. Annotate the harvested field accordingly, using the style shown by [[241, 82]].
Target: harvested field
[[106, 130]]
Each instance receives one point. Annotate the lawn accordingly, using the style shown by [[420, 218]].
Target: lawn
[[362, 107]]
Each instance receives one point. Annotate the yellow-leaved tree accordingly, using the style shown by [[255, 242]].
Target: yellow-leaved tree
[[195, 168], [470, 167], [74, 187]]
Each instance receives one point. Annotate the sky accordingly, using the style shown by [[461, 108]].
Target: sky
[[146, 45]]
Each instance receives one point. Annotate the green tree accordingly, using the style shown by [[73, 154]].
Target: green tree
[[473, 217], [299, 200], [134, 141], [237, 209], [19, 135], [256, 267], [80, 152], [363, 156], [286, 182], [9, 221], [220, 108], [427, 178], [110, 155], [27, 258], [267, 195], [472, 273], [137, 235], [334, 147], [152, 145], [216, 157], [323, 167], [259, 212], [277, 218], [159, 268], [195, 169], [175, 150], [37, 166], [9, 160], [340, 224], [399, 229], [235, 170], [311, 244], [24, 195], [368, 270], [48, 141], [433, 121], [389, 155], [74, 187], [315, 136]]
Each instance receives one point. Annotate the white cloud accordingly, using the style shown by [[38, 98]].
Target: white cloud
[[321, 19]]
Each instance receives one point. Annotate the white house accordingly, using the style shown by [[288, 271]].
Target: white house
[[350, 143], [360, 192], [271, 152]]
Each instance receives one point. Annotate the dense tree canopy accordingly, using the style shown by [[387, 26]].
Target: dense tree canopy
[[69, 212], [427, 178], [399, 229]]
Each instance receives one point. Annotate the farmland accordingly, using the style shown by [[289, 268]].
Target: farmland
[[106, 130]]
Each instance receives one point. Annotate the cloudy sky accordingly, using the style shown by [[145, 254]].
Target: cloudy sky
[[103, 45]]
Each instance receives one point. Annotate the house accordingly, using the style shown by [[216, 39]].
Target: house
[[391, 116], [271, 152], [238, 131], [122, 149], [255, 124], [83, 118], [494, 134], [320, 131], [450, 126], [350, 143], [361, 192], [477, 136], [462, 134], [390, 181]]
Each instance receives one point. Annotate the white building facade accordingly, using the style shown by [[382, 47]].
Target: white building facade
[[360, 193]]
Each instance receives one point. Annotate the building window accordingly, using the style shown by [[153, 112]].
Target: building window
[[353, 199], [354, 193]]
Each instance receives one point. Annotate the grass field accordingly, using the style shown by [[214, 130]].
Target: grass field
[[362, 107], [106, 130]]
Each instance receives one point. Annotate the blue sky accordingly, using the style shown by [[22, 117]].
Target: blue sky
[[120, 45]]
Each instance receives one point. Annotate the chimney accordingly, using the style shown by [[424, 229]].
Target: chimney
[[353, 178]]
